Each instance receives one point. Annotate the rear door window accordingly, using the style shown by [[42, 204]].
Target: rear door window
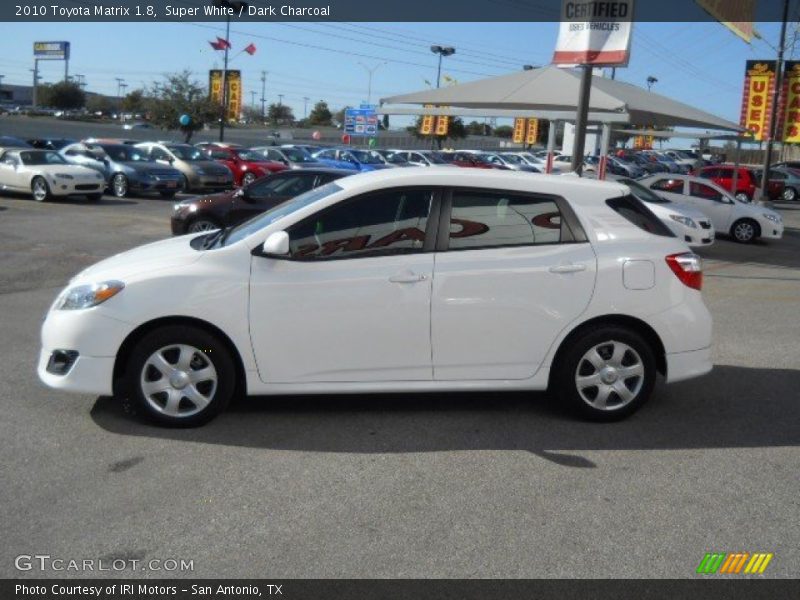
[[637, 213], [674, 186]]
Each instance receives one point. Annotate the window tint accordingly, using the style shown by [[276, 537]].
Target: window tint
[[709, 173], [706, 192], [390, 222], [218, 154], [668, 185], [159, 154], [638, 214], [490, 219], [292, 185]]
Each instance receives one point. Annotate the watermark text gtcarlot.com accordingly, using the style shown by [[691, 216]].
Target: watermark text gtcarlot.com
[[46, 562]]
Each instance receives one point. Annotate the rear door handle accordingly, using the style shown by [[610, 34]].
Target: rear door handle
[[407, 277], [568, 268]]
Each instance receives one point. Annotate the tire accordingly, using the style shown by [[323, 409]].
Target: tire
[[587, 377], [180, 376], [743, 196], [94, 197], [202, 225], [248, 179], [789, 194], [745, 231], [167, 194], [40, 190], [119, 185], [185, 185]]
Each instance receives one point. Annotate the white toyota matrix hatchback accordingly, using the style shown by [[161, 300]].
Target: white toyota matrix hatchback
[[402, 280]]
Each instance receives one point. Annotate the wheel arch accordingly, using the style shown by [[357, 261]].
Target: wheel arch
[[752, 220], [626, 321], [125, 349]]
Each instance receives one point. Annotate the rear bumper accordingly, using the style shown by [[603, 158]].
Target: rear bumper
[[687, 365]]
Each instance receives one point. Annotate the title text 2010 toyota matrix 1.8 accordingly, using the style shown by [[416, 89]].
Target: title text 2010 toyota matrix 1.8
[[399, 280]]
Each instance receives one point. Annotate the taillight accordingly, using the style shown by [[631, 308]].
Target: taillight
[[688, 268]]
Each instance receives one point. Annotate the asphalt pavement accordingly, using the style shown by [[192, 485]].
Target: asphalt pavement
[[422, 485]]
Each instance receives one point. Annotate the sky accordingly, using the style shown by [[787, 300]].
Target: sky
[[701, 64]]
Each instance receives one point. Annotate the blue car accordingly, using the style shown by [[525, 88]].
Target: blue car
[[350, 158]]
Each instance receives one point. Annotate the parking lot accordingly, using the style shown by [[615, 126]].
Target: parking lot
[[430, 485]]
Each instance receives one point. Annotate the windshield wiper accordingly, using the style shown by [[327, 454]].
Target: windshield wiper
[[212, 239]]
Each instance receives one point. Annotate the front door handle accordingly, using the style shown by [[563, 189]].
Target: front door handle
[[407, 277], [571, 268]]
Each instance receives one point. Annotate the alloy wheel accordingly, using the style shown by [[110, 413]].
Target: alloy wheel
[[789, 194], [248, 179], [609, 376], [202, 226], [120, 185], [178, 380], [744, 231], [39, 189]]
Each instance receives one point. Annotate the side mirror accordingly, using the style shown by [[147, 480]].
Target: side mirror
[[277, 244]]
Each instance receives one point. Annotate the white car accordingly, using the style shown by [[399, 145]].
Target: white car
[[404, 280], [745, 222], [45, 175], [687, 223]]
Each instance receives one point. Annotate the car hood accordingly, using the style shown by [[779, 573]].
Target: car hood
[[147, 167], [209, 166], [222, 198], [165, 254]]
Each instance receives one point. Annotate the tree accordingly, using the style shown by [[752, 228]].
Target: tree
[[178, 95], [64, 95], [252, 115], [504, 131], [476, 128], [280, 114], [320, 114], [338, 117], [135, 102], [95, 103]]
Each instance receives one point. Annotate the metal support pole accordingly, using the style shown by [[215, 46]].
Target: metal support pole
[[773, 125], [605, 142], [581, 119], [35, 98], [224, 94], [66, 70], [736, 159], [551, 146], [263, 95]]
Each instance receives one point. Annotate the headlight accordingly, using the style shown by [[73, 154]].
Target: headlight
[[64, 176], [684, 221], [773, 218], [87, 296]]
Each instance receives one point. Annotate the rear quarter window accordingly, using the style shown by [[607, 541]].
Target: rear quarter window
[[637, 213]]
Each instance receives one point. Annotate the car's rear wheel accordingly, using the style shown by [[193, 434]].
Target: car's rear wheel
[[180, 376], [185, 185], [745, 231], [119, 185], [248, 179], [789, 194], [606, 374], [202, 225], [40, 189]]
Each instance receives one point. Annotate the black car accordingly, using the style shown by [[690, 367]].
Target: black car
[[204, 213], [50, 143]]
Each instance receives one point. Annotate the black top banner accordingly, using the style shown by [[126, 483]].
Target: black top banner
[[358, 10]]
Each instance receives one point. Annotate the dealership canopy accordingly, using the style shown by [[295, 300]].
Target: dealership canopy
[[552, 92]]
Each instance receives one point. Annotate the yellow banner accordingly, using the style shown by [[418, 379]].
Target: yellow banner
[[442, 125], [215, 86], [519, 131], [791, 128], [426, 127], [233, 82], [533, 131], [756, 109]]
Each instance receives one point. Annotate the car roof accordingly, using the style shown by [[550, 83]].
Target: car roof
[[315, 170], [574, 188]]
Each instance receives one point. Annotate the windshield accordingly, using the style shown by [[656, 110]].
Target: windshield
[[124, 153], [297, 155], [41, 158], [366, 158], [394, 158], [642, 193], [250, 155], [247, 228], [513, 158], [186, 152]]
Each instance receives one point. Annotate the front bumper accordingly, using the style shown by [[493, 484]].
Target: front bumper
[[771, 230], [212, 182], [67, 187]]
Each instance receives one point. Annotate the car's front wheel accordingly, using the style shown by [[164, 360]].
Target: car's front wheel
[[248, 179], [789, 194], [40, 189], [201, 226], [606, 374], [119, 185], [745, 231], [180, 376]]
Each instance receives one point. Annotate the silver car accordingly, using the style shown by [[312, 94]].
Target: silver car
[[294, 158], [125, 168], [198, 172]]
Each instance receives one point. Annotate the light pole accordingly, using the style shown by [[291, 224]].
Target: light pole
[[253, 99], [442, 51], [263, 95], [305, 107], [650, 81], [371, 70]]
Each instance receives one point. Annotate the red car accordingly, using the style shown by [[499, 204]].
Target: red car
[[469, 159], [246, 165], [746, 185]]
